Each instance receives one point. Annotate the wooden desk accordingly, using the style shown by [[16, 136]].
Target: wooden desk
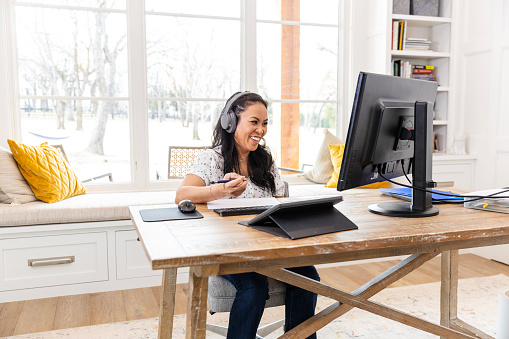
[[215, 246]]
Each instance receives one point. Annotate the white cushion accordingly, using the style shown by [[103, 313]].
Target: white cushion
[[13, 187], [81, 208], [323, 168]]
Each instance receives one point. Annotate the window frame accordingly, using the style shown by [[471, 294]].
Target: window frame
[[137, 80]]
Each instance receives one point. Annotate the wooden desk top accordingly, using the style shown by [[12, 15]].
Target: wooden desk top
[[216, 240]]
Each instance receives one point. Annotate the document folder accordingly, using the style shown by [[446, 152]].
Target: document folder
[[303, 218]]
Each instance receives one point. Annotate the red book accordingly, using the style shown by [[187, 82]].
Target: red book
[[422, 71]]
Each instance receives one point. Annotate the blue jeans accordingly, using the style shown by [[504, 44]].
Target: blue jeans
[[253, 291]]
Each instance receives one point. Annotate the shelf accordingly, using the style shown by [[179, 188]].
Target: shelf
[[443, 156], [439, 122], [420, 54], [443, 89], [422, 21]]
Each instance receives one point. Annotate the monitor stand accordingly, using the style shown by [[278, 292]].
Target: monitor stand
[[421, 204]]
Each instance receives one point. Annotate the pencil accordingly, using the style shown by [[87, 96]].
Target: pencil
[[223, 181]]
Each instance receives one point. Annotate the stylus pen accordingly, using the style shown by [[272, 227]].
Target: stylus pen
[[223, 181]]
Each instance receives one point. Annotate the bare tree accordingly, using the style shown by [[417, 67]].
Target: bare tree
[[82, 71], [105, 68]]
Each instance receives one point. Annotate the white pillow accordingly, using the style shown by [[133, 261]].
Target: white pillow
[[13, 187], [323, 168]]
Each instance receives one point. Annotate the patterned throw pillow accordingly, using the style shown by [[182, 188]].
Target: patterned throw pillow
[[46, 171]]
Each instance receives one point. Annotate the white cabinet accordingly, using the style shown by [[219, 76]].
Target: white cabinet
[[42, 261], [456, 170], [132, 261], [29, 262]]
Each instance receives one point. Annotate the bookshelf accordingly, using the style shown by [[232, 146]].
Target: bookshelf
[[438, 31]]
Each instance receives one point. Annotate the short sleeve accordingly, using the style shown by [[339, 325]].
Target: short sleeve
[[208, 166]]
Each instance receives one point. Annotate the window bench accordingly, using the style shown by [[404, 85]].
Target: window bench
[[79, 245]]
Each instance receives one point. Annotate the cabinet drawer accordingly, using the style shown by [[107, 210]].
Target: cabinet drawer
[[53, 260], [132, 262]]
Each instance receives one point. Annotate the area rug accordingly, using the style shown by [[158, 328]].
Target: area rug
[[477, 304]]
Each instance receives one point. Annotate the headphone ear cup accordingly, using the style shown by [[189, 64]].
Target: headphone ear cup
[[233, 122], [229, 121]]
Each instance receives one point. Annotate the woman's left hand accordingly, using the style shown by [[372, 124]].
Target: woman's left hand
[[236, 186]]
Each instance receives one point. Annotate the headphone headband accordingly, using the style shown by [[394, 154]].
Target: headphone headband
[[228, 116]]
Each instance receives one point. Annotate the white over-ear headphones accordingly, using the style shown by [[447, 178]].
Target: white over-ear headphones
[[228, 116]]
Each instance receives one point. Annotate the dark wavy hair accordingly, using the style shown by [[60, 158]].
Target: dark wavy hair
[[260, 161]]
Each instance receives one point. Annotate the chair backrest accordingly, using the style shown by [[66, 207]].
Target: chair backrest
[[180, 158]]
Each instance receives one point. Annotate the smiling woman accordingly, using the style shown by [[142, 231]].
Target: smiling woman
[[237, 153]]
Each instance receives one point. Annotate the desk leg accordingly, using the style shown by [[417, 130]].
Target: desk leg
[[197, 304], [449, 288], [449, 298], [167, 303]]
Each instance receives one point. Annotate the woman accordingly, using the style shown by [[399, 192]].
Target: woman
[[237, 154]]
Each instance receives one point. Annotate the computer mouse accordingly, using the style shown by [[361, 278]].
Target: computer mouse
[[186, 206]]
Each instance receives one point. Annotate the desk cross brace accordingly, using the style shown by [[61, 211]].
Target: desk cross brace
[[359, 298]]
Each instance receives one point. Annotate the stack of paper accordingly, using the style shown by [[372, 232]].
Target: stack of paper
[[416, 43], [489, 204]]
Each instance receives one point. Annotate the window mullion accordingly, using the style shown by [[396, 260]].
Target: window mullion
[[248, 45], [138, 107], [10, 127]]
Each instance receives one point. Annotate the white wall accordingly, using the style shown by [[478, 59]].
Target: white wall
[[483, 72], [483, 75]]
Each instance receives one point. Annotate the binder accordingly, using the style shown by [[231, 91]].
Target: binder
[[303, 218], [405, 193]]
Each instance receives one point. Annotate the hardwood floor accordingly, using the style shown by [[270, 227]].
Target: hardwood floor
[[48, 314]]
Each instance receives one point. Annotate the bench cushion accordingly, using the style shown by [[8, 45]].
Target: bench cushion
[[82, 208]]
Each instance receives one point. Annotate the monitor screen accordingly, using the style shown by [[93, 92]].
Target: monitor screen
[[387, 130]]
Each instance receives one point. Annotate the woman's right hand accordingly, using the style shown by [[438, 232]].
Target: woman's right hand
[[236, 186]]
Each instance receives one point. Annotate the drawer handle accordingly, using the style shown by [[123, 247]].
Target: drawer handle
[[50, 261]]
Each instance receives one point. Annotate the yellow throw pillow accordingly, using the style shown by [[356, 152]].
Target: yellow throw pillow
[[382, 184], [336, 154], [46, 171]]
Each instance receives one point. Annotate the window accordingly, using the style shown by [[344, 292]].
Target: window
[[73, 82], [118, 82]]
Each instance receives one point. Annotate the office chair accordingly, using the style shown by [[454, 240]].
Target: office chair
[[180, 158], [221, 294]]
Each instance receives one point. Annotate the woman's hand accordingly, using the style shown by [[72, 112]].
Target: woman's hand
[[236, 186]]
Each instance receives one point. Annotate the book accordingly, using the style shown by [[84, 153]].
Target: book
[[397, 68], [422, 71], [400, 36], [429, 77], [423, 67], [395, 34], [404, 35]]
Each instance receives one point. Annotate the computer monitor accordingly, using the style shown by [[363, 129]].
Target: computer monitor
[[390, 135]]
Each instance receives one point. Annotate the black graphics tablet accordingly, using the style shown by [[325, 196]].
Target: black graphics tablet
[[302, 218]]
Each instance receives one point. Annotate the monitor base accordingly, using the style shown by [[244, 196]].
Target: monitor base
[[401, 209]]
